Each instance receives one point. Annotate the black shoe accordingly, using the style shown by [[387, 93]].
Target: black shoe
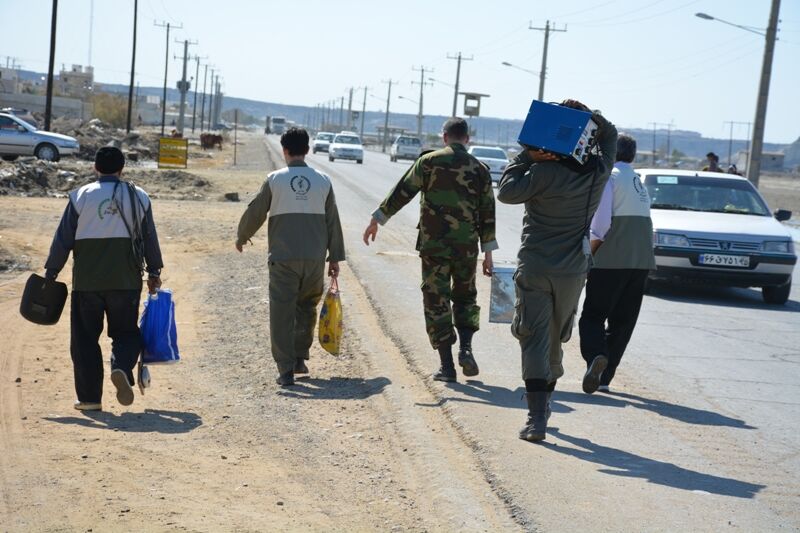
[[535, 428], [285, 380], [548, 410], [300, 366], [591, 380], [445, 374], [467, 362]]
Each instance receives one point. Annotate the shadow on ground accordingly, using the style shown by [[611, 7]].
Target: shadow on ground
[[335, 388], [150, 421], [474, 391], [719, 296], [626, 464]]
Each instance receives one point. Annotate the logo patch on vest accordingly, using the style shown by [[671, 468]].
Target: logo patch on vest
[[106, 208], [300, 185]]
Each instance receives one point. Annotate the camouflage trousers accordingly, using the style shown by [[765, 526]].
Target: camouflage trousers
[[449, 297]]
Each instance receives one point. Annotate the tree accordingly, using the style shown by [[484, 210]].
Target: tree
[[110, 108]]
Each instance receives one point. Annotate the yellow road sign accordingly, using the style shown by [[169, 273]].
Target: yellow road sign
[[173, 153]]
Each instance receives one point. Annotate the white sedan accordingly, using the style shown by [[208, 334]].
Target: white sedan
[[494, 157], [346, 145], [717, 229]]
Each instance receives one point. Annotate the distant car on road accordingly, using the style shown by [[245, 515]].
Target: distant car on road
[[494, 157], [346, 145], [405, 147], [17, 138], [716, 228], [322, 141]]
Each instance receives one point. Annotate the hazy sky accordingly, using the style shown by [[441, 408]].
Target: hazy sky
[[640, 61]]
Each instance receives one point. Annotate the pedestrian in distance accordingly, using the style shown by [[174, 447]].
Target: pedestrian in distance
[[456, 214], [622, 248], [560, 197], [108, 226], [303, 228], [712, 163]]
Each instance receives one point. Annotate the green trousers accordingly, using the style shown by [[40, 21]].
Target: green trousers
[[446, 280], [295, 289], [545, 312]]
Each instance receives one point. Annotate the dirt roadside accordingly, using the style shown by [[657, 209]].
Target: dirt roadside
[[215, 445]]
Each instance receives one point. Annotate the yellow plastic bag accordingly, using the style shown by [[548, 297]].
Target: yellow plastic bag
[[330, 320]]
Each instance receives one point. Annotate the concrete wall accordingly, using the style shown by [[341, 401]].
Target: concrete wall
[[62, 107]]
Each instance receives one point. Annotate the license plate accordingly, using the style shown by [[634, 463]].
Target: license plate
[[740, 261]]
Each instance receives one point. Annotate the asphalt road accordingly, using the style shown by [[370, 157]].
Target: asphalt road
[[701, 431]]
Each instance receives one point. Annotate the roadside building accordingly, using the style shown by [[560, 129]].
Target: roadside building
[[770, 161]]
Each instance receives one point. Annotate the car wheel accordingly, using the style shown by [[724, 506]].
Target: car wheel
[[314, 151], [392, 158], [330, 159], [777, 294], [360, 161], [47, 152], [10, 157]]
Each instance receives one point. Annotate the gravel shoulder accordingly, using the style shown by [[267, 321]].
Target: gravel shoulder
[[215, 445]]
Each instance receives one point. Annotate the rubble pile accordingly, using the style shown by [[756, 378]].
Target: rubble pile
[[28, 176], [95, 133]]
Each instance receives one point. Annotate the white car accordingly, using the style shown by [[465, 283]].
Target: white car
[[17, 138], [346, 145], [716, 228], [494, 157], [405, 147], [321, 142]]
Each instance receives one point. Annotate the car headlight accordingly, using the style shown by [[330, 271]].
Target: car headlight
[[671, 239], [778, 247]]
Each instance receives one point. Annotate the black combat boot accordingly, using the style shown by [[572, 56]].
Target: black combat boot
[[286, 379], [551, 387], [535, 428], [465, 358], [300, 366], [447, 370]]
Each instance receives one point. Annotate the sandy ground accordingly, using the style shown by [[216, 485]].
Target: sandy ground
[[215, 445]]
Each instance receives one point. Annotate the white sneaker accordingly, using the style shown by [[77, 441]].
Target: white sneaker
[[124, 387], [88, 406]]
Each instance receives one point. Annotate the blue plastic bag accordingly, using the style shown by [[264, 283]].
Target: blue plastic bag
[[159, 334]]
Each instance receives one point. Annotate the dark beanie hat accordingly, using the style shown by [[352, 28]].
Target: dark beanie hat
[[109, 160]]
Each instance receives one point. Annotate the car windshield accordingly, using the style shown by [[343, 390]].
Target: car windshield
[[324, 136], [492, 153], [710, 195], [347, 139], [408, 141]]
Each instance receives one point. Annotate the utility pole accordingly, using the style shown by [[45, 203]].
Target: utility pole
[[48, 106], [543, 73], [183, 86], [422, 83], [133, 62], [203, 99], [754, 157], [363, 111], [210, 99], [196, 86], [669, 130], [350, 110], [341, 113], [459, 58], [166, 70], [386, 119]]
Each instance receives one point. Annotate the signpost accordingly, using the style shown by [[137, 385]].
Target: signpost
[[172, 152]]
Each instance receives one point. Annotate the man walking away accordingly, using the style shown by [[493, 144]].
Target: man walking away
[[560, 197], [303, 227], [622, 244], [456, 212], [108, 225]]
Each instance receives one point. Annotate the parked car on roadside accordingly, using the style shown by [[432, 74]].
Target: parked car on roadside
[[494, 157], [346, 145], [17, 138], [321, 142], [717, 229], [405, 147]]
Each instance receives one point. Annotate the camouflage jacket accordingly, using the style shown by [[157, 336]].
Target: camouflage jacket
[[456, 202]]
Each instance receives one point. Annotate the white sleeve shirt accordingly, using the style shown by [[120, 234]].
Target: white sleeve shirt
[[601, 222]]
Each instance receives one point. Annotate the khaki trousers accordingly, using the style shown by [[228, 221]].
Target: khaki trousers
[[543, 318], [295, 289]]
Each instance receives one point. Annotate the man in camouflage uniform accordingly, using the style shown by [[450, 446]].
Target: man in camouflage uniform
[[456, 212]]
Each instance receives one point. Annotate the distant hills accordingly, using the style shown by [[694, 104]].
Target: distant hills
[[489, 130]]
